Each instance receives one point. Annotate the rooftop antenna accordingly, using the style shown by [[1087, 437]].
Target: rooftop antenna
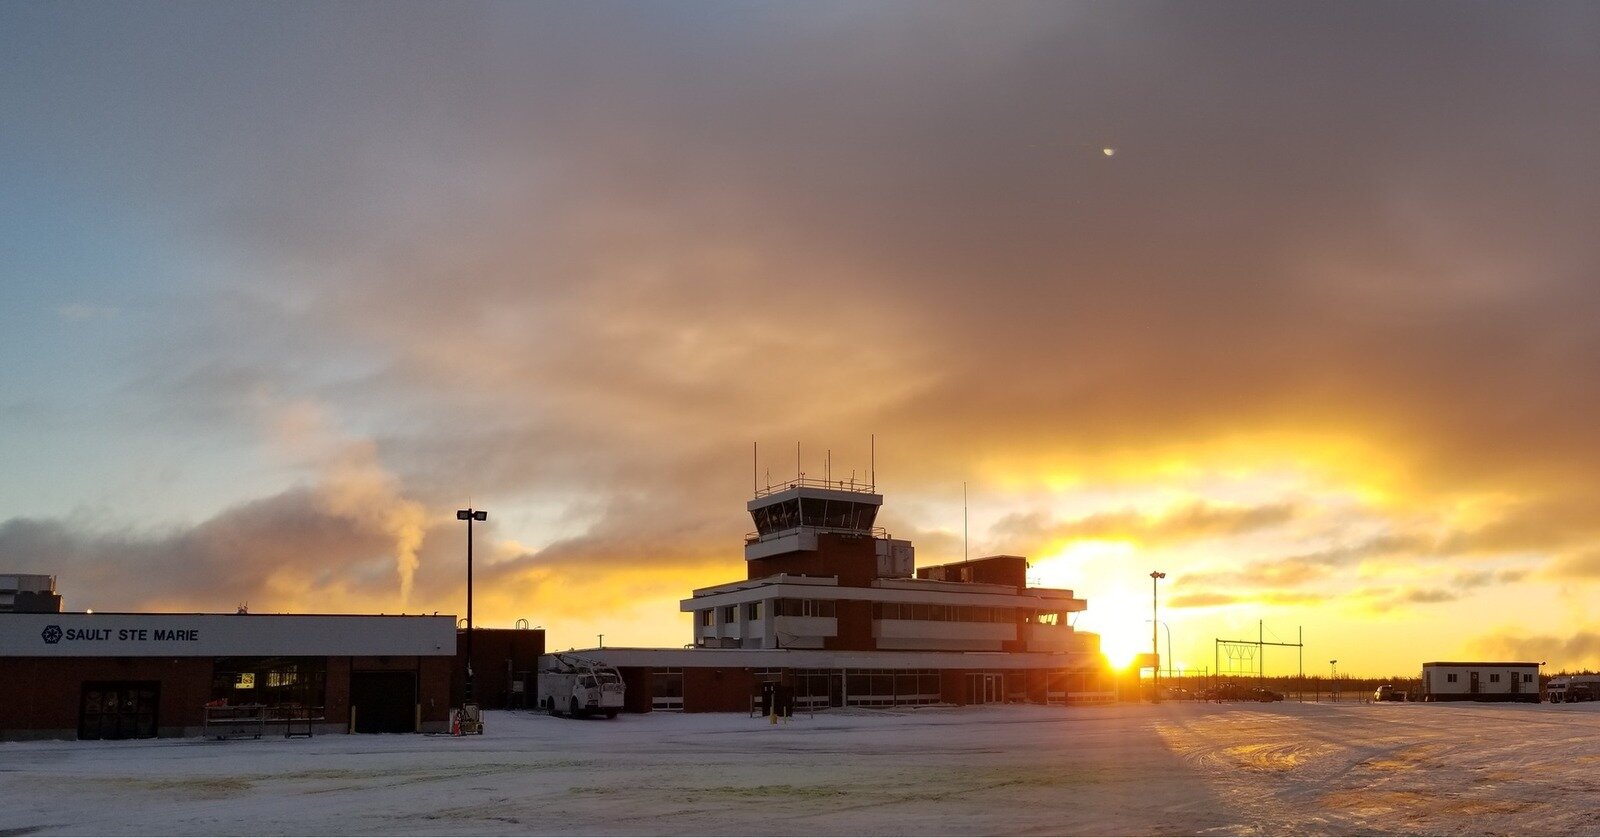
[[800, 470], [874, 463], [963, 520], [755, 458], [827, 467]]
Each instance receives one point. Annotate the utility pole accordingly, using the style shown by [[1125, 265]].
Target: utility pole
[[1155, 648]]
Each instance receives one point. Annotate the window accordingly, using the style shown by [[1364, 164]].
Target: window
[[752, 611], [805, 608], [1450, 677], [705, 617], [276, 682], [729, 614], [1527, 677], [666, 689], [1494, 677]]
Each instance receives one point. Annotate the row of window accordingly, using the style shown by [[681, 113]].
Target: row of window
[[729, 614], [815, 512], [944, 613], [1494, 677]]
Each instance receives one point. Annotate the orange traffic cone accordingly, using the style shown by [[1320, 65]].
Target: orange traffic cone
[[455, 723]]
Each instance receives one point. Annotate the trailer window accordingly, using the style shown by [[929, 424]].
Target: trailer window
[[1527, 677], [1450, 677]]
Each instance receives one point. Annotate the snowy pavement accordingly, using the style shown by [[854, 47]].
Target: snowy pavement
[[1174, 769]]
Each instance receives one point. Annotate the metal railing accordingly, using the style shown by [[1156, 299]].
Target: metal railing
[[813, 483]]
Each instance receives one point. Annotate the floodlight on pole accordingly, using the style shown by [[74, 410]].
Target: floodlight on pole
[[469, 515], [1155, 648]]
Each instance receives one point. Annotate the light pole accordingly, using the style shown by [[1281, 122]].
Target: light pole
[[1169, 643], [1155, 649], [469, 515], [1333, 680]]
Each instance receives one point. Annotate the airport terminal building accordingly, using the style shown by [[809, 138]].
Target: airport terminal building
[[837, 611]]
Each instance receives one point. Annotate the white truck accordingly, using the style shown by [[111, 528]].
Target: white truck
[[1572, 688], [578, 687]]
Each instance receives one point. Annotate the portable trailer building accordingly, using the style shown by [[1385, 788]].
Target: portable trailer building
[[1480, 681]]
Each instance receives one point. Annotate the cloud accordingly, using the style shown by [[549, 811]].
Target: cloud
[[1582, 565], [1190, 522], [569, 262], [1579, 650]]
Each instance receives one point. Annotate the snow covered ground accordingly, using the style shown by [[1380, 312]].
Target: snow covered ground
[[1174, 769]]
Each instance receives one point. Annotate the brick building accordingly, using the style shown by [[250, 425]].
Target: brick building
[[836, 610], [125, 676]]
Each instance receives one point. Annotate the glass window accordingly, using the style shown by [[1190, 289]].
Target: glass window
[[752, 611], [1450, 677], [1494, 677], [276, 682], [729, 614], [705, 617]]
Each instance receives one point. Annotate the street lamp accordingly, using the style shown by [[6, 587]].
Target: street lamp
[[1333, 680], [1155, 649], [469, 515], [1168, 628]]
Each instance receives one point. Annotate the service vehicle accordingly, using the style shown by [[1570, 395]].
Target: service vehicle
[[1570, 689], [578, 687]]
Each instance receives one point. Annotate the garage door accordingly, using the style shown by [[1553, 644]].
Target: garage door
[[384, 702]]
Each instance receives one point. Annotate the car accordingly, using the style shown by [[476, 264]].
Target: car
[[1239, 692], [1387, 692]]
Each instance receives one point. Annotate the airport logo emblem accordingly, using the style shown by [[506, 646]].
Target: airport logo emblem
[[51, 634]]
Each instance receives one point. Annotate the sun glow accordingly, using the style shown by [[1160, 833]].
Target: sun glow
[[1098, 570], [1123, 626]]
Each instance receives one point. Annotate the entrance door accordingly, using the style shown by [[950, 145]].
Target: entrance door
[[985, 688], [1473, 686], [384, 702], [118, 710]]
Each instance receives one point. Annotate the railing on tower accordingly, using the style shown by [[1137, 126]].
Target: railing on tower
[[850, 485]]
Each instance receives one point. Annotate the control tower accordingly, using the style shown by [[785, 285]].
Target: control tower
[[823, 528]]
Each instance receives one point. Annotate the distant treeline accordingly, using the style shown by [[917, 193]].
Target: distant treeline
[[1319, 683]]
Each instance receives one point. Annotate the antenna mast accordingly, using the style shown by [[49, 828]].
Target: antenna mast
[[873, 460]]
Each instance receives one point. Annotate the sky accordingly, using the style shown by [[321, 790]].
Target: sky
[[287, 284]]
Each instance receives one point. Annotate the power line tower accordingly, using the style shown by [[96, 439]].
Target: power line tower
[[1242, 653]]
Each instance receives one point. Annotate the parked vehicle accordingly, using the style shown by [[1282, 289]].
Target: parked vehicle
[[578, 687], [1387, 692], [1572, 688], [1240, 692]]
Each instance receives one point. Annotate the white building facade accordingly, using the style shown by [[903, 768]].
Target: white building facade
[[1480, 681]]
